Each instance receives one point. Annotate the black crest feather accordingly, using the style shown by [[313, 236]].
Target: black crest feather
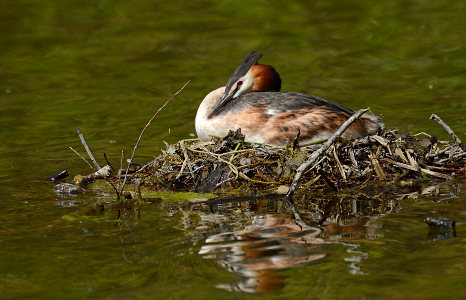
[[243, 68]]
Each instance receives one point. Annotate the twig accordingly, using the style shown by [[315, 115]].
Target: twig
[[142, 132], [440, 152], [257, 164], [443, 169], [448, 129], [224, 181], [315, 155], [461, 154], [119, 171], [315, 165], [340, 167], [417, 169], [423, 133], [186, 158], [327, 181], [242, 175], [232, 167], [353, 159], [106, 179], [181, 169], [376, 165], [90, 166], [83, 141], [412, 161], [108, 163], [238, 152]]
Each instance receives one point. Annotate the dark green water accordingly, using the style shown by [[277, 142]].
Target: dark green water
[[106, 66]]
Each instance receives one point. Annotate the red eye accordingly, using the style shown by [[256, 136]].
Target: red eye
[[239, 83]]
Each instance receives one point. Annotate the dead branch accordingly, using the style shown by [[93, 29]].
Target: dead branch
[[100, 174]]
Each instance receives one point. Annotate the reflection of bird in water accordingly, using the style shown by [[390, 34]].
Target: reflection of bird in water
[[275, 242], [253, 102], [272, 243]]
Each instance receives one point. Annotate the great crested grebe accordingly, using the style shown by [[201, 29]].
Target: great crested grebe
[[253, 102]]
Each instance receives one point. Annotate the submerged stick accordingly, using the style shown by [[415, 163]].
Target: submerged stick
[[315, 155], [142, 132], [83, 141], [447, 129]]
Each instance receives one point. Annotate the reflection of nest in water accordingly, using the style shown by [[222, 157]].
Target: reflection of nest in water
[[379, 164]]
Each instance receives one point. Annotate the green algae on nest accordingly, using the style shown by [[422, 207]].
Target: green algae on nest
[[169, 196]]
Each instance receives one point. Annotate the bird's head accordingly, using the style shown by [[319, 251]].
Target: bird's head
[[249, 77]]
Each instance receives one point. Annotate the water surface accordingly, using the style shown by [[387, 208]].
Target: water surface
[[106, 66]]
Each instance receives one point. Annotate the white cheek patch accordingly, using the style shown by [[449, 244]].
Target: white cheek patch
[[246, 87]]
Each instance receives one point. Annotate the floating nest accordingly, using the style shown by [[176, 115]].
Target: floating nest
[[378, 170], [386, 163]]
